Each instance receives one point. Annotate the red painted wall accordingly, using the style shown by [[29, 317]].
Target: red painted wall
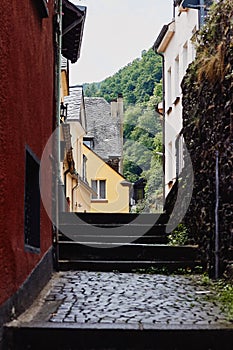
[[26, 109]]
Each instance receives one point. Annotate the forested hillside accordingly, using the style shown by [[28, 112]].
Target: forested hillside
[[141, 86], [142, 148], [136, 81]]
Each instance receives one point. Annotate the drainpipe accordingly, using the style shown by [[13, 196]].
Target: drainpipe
[[163, 122], [65, 187], [174, 9], [216, 253], [202, 13], [58, 183], [58, 82], [73, 189]]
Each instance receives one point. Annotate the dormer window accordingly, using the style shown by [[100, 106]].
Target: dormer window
[[89, 142]]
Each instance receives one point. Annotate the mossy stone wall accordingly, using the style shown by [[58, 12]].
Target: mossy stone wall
[[208, 129]]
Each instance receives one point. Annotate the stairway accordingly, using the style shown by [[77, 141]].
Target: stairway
[[110, 242], [121, 242], [48, 336]]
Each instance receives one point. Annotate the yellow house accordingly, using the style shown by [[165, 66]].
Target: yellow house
[[111, 189], [90, 184], [77, 191]]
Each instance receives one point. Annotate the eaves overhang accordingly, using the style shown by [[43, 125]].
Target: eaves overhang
[[126, 183], [160, 37], [86, 186], [73, 20], [164, 37], [76, 106]]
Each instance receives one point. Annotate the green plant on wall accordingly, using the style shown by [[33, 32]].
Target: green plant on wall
[[179, 236], [221, 293], [207, 129]]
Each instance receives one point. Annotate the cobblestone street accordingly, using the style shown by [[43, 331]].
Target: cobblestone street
[[130, 298]]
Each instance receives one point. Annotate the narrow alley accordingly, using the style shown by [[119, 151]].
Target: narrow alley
[[116, 217], [112, 310]]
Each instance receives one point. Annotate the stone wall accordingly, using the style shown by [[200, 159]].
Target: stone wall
[[208, 129]]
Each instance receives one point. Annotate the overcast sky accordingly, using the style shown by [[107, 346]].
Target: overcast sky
[[115, 33]]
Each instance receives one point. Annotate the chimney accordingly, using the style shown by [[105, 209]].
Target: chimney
[[114, 108], [120, 108], [120, 114]]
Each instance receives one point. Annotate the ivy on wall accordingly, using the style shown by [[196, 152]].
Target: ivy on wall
[[208, 129]]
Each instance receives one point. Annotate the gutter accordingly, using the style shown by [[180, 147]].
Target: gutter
[[155, 48], [79, 183], [163, 124], [57, 185], [73, 189], [160, 37]]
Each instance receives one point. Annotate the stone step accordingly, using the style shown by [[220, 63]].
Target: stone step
[[123, 242], [112, 229], [88, 239], [126, 252], [123, 228], [70, 336], [112, 218], [130, 266]]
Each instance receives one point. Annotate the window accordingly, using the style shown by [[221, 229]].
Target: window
[[99, 186], [62, 150], [176, 77], [179, 154], [89, 142], [169, 87], [32, 204], [185, 57], [84, 175], [140, 194], [169, 163]]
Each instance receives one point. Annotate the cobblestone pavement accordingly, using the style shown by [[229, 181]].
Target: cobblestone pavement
[[129, 298]]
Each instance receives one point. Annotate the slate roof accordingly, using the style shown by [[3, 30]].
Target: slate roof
[[74, 100], [99, 123], [104, 128], [64, 63]]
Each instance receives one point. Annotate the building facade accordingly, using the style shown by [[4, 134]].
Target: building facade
[[30, 57], [175, 43], [105, 129], [111, 190], [91, 183], [73, 166], [27, 103]]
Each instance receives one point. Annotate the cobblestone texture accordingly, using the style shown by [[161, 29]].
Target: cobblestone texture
[[129, 298]]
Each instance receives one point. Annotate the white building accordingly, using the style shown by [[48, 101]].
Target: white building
[[175, 44]]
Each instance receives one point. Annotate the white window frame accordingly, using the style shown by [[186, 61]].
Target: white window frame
[[98, 189]]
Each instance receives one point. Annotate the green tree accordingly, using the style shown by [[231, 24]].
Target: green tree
[[141, 86], [154, 177], [136, 81], [157, 96], [91, 90]]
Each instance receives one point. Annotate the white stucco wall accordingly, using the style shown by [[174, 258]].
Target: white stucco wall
[[178, 54]]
